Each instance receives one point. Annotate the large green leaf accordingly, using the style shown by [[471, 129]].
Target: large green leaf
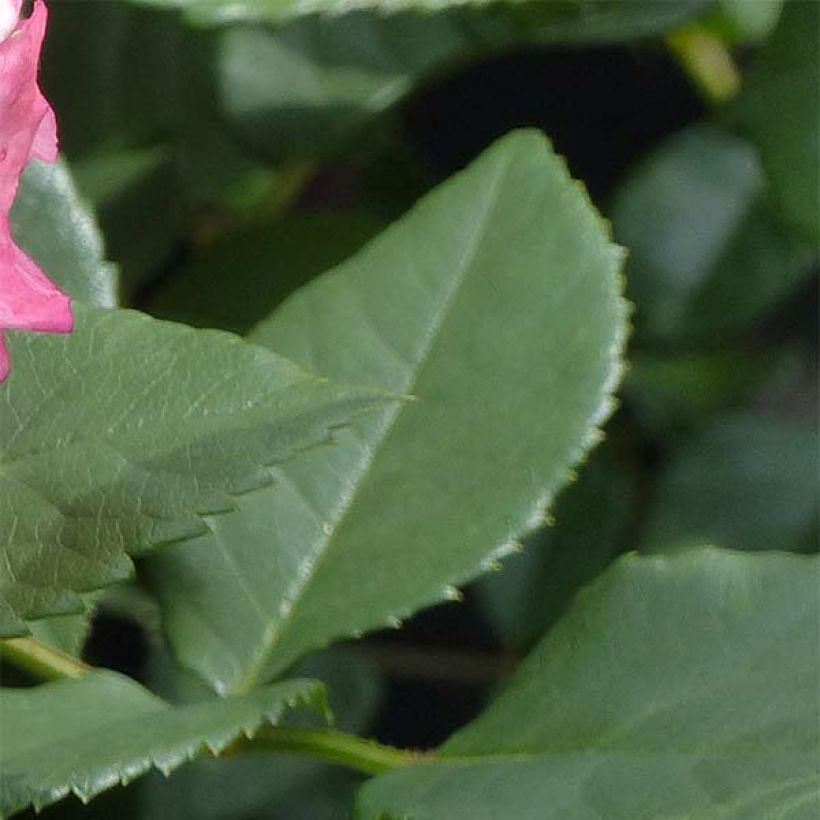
[[85, 736], [746, 482], [679, 687], [56, 228], [780, 105], [708, 257], [496, 302], [119, 437]]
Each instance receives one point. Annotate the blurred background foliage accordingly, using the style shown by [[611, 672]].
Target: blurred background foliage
[[230, 158]]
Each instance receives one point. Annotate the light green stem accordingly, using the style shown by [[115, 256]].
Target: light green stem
[[340, 748], [707, 60], [41, 661]]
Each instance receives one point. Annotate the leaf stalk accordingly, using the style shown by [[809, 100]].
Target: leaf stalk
[[41, 661], [707, 61], [340, 748]]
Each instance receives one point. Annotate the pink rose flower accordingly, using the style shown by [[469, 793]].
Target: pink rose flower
[[28, 130]]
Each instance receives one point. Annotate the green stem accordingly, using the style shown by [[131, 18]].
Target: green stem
[[41, 661], [340, 748], [707, 60]]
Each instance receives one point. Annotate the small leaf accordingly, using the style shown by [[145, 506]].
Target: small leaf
[[677, 687], [781, 108], [54, 226], [88, 735], [119, 437], [496, 302]]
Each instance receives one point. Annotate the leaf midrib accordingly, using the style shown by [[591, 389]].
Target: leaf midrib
[[274, 632]]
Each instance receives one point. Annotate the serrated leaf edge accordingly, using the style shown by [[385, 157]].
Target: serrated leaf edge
[[314, 698]]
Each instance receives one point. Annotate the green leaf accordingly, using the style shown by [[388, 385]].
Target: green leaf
[[781, 108], [119, 437], [88, 735], [679, 687], [708, 257], [496, 302], [532, 589], [53, 225], [746, 482]]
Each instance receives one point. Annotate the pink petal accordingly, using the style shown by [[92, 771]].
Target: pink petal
[[28, 130], [9, 16], [44, 146], [30, 301]]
